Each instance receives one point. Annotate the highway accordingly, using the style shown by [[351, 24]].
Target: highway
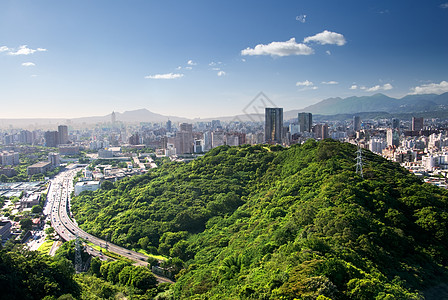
[[59, 200]]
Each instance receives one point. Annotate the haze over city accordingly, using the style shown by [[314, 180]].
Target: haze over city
[[210, 58]]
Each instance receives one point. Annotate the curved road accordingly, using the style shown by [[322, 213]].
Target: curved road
[[59, 200]]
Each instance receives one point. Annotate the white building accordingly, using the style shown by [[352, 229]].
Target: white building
[[377, 145], [82, 186]]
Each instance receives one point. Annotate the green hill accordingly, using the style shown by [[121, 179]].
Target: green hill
[[264, 222]]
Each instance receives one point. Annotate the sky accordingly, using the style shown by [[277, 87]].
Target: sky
[[208, 58]]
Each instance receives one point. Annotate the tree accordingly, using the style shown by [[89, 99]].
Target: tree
[[107, 185], [37, 209], [49, 230], [26, 224], [3, 178]]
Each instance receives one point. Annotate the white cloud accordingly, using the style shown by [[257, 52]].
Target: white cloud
[[34, 75], [179, 68], [243, 60], [279, 49], [327, 37], [216, 69], [28, 64], [221, 73], [431, 88], [188, 68], [384, 87], [328, 52], [301, 18], [4, 49], [165, 76], [304, 83], [444, 5], [354, 87], [24, 50], [191, 63], [330, 82]]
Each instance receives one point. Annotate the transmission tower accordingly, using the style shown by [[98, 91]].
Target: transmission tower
[[359, 161], [78, 258]]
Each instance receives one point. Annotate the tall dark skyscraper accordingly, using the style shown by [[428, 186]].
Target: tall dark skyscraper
[[305, 122], [356, 123], [395, 123], [168, 126], [417, 124], [273, 126], [62, 134]]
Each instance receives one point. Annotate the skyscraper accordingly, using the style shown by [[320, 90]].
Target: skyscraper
[[168, 126], [356, 123], [305, 122], [113, 118], [392, 137], [62, 134], [273, 126], [417, 124], [395, 123], [321, 131]]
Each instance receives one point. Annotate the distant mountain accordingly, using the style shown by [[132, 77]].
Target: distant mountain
[[133, 116], [431, 105], [379, 102]]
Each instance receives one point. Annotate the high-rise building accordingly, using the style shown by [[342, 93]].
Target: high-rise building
[[273, 126], [113, 118], [218, 139], [168, 125], [134, 139], [216, 124], [51, 138], [356, 123], [392, 137], [184, 139], [395, 123], [305, 122], [62, 134], [55, 159], [26, 137], [417, 124], [321, 131], [186, 127]]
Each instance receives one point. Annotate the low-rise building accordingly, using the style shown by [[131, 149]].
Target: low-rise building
[[39, 168], [86, 186]]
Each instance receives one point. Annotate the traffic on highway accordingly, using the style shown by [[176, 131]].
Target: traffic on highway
[[59, 205]]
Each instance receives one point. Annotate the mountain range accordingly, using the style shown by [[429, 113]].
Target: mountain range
[[376, 105]]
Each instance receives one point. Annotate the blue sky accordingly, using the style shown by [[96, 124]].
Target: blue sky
[[211, 58]]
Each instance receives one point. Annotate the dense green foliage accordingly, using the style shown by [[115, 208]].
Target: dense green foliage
[[30, 275], [265, 222]]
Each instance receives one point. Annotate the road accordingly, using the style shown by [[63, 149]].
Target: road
[[59, 201]]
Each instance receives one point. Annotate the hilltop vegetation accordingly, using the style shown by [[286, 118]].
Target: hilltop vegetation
[[30, 275], [264, 222]]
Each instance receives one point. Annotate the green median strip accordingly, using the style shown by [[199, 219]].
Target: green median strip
[[158, 257], [45, 247]]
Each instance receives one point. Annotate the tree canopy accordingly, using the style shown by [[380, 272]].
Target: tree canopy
[[268, 222]]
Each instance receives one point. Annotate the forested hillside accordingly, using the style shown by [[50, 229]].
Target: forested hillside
[[266, 222]]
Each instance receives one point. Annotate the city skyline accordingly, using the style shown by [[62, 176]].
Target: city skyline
[[210, 59]]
